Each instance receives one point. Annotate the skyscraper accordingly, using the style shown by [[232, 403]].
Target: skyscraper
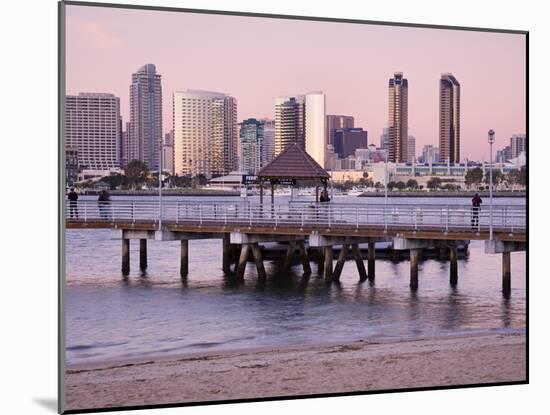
[[125, 150], [269, 140], [398, 91], [449, 119], [251, 135], [301, 119], [205, 133], [384, 139], [411, 149], [347, 140], [146, 116], [93, 130], [338, 122], [168, 152], [518, 143]]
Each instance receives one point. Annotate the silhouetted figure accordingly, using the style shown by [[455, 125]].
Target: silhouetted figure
[[103, 203], [324, 196], [73, 206], [476, 206]]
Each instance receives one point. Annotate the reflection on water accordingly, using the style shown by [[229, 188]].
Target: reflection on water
[[156, 312]]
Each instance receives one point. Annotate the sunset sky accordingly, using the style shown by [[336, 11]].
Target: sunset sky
[[257, 59]]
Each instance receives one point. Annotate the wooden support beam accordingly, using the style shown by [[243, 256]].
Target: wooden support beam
[[226, 256], [256, 251], [371, 258], [359, 262], [125, 257], [414, 268], [304, 257], [143, 254], [328, 263], [506, 274], [184, 258], [241, 266], [288, 257], [340, 263], [453, 265]]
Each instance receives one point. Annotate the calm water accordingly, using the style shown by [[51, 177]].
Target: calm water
[[154, 313]]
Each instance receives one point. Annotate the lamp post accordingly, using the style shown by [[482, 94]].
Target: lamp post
[[160, 185], [491, 139]]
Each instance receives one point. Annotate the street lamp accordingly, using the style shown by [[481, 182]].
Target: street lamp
[[491, 139], [160, 184]]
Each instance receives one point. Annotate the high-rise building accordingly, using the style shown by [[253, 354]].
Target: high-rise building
[[125, 148], [251, 134], [384, 139], [301, 119], [398, 91], [338, 122], [146, 116], [269, 140], [92, 128], [411, 150], [316, 144], [168, 152], [71, 166], [504, 155], [347, 140], [430, 154], [205, 133], [518, 143], [449, 119]]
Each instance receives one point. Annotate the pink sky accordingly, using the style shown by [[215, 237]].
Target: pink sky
[[257, 59]]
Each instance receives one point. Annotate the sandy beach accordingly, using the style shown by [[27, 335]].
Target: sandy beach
[[358, 366]]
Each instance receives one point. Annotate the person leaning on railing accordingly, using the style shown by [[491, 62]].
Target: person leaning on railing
[[476, 206], [73, 206]]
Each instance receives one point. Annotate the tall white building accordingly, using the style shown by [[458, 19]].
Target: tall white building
[[518, 143], [168, 153], [251, 135], [269, 140], [411, 151], [301, 119], [205, 133], [93, 129], [145, 134]]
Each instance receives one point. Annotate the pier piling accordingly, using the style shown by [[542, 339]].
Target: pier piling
[[288, 257], [226, 256], [243, 257], [259, 261], [305, 258], [414, 268], [340, 262], [453, 265], [359, 262], [328, 263], [125, 256], [143, 254], [370, 256], [506, 274], [184, 258]]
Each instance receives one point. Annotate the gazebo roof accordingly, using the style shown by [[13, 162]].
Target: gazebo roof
[[293, 163]]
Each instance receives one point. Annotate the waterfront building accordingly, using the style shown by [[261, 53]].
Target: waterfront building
[[268, 148], [411, 150], [338, 122], [205, 133], [398, 88], [71, 166], [146, 116], [449, 119], [504, 155], [251, 134], [518, 143], [301, 119], [430, 154], [347, 140], [93, 128]]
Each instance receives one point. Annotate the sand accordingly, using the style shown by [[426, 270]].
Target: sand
[[358, 366]]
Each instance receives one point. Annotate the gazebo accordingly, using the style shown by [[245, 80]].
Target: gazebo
[[287, 168]]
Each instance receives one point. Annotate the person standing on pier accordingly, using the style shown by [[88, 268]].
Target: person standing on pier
[[476, 206], [73, 207], [103, 203]]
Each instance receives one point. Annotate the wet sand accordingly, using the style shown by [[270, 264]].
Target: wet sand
[[358, 366]]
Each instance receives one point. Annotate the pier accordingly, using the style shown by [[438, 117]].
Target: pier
[[321, 227]]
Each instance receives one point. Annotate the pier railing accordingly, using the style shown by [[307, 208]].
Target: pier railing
[[511, 219]]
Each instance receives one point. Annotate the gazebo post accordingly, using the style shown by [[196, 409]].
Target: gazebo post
[[316, 192], [261, 192], [272, 199]]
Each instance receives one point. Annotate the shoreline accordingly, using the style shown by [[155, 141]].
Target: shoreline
[[375, 364]]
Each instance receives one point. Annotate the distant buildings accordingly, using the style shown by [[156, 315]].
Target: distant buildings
[[430, 154], [93, 129], [449, 119], [398, 88], [71, 166], [168, 152], [347, 140], [145, 134], [338, 122], [269, 140], [518, 143], [411, 149], [384, 139], [301, 119], [251, 134], [205, 133], [125, 147], [504, 155]]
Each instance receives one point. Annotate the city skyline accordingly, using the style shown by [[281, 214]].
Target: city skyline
[[481, 60]]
